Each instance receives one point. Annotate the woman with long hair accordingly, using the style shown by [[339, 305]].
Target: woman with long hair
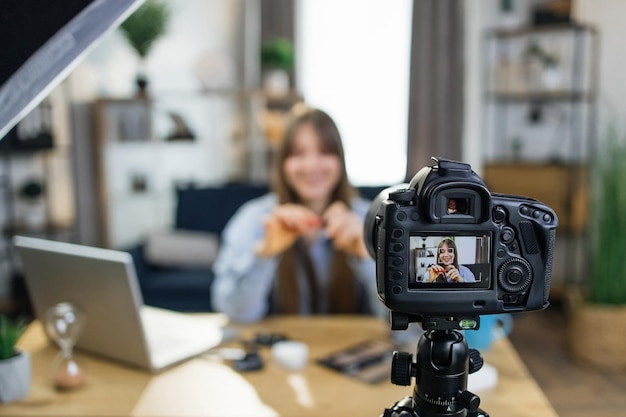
[[447, 268], [300, 248]]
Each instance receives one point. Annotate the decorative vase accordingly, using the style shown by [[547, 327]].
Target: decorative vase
[[276, 82], [34, 215], [142, 86], [15, 377]]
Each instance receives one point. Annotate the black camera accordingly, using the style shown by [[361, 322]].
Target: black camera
[[445, 246]]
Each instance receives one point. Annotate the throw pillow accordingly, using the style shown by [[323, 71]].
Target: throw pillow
[[182, 248]]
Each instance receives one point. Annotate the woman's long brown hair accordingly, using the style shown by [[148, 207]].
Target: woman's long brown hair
[[342, 290]]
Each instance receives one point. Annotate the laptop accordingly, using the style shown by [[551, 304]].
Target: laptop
[[103, 284]]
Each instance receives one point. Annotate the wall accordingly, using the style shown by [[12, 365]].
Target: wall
[[360, 76], [608, 17]]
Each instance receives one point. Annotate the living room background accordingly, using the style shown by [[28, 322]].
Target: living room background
[[216, 35]]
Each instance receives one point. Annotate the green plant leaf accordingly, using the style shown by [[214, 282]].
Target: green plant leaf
[[146, 25], [277, 53], [608, 222], [10, 332]]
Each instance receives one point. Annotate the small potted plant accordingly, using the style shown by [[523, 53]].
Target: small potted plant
[[598, 315], [277, 60], [31, 192], [142, 29], [14, 364]]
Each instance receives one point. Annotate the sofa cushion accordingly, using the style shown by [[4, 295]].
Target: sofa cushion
[[370, 192], [180, 290], [209, 209], [179, 281], [182, 248]]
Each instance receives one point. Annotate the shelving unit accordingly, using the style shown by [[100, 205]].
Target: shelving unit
[[424, 257], [541, 90], [139, 163], [541, 76], [29, 152]]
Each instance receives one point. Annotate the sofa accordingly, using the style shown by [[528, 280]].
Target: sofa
[[170, 274]]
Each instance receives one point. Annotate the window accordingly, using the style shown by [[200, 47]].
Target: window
[[353, 59]]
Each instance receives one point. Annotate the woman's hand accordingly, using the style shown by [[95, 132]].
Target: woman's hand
[[454, 274], [345, 229], [284, 226], [435, 271]]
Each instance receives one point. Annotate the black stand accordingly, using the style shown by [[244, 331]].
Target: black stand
[[443, 364]]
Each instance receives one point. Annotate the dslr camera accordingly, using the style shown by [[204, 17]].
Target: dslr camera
[[447, 247]]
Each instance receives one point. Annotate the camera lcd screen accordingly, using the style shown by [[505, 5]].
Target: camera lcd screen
[[450, 261]]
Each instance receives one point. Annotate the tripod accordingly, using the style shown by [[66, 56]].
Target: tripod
[[443, 362]]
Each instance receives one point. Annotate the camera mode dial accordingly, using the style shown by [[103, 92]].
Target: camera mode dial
[[515, 275]]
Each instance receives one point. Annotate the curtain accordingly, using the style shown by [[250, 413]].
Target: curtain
[[436, 83]]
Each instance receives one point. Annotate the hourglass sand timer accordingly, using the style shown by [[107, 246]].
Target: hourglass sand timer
[[64, 323]]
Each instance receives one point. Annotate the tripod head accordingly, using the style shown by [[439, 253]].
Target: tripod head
[[443, 364]]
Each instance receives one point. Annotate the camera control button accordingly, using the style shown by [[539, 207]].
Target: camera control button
[[514, 276], [396, 261], [499, 214], [501, 253], [536, 214], [510, 298], [524, 210], [507, 235], [397, 247], [547, 218], [396, 275]]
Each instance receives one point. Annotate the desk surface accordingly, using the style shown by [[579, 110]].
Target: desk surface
[[206, 387]]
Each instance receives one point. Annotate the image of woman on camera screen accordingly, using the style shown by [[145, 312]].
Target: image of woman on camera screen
[[299, 249], [447, 268]]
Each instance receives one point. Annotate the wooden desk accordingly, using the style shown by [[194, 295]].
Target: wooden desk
[[206, 387]]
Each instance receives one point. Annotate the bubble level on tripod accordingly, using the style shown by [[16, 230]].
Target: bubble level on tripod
[[468, 324]]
